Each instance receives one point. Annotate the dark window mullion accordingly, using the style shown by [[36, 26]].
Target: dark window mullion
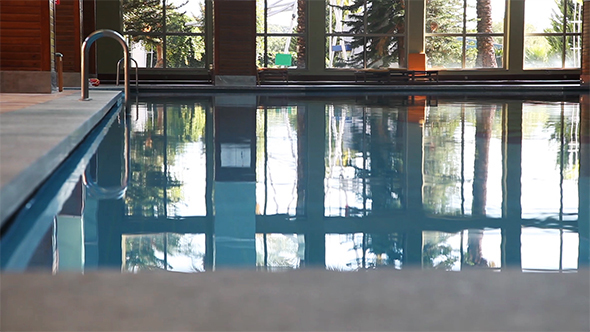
[[564, 29], [464, 35], [164, 30], [366, 31], [265, 38]]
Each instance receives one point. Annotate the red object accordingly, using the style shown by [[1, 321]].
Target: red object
[[57, 2], [94, 82]]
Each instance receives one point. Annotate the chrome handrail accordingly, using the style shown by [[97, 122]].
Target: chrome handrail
[[136, 75], [97, 191], [85, 53]]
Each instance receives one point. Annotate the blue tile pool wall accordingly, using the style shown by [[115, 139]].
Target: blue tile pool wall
[[338, 183]]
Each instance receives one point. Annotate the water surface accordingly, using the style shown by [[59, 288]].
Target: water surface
[[342, 183]]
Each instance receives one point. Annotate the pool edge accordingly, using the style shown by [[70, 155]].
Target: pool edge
[[31, 149]]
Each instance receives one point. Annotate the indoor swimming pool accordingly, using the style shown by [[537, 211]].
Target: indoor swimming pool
[[344, 182]]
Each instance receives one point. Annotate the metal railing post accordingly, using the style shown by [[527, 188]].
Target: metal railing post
[[85, 53], [60, 71], [136, 72]]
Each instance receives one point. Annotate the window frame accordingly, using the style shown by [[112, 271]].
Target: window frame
[[366, 34], [264, 35], [164, 34], [464, 35], [564, 34]]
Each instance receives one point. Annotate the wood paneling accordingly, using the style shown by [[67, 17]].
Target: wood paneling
[[235, 37], [68, 38], [25, 32]]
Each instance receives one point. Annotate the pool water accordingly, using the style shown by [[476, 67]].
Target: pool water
[[341, 182]]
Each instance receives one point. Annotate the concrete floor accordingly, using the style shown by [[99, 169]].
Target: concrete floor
[[247, 300], [37, 132], [306, 300]]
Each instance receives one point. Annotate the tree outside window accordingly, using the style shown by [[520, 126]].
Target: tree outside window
[[365, 33], [465, 33], [165, 33], [553, 34], [280, 30]]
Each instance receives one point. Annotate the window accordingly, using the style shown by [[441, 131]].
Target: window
[[365, 33], [165, 33], [553, 34], [465, 33], [280, 33]]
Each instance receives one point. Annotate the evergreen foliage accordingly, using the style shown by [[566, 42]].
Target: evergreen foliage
[[373, 23]]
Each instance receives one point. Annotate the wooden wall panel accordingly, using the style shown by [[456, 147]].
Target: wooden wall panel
[[25, 35], [235, 37], [68, 38]]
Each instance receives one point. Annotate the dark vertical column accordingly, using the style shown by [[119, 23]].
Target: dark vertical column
[[315, 237], [210, 156], [584, 181], [413, 169], [511, 184], [235, 181], [89, 26], [585, 74], [108, 16], [235, 42], [109, 211]]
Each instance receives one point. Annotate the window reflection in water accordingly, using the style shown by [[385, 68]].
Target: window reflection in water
[[168, 164], [279, 251], [552, 128], [460, 142], [164, 251], [364, 163], [276, 160], [405, 183]]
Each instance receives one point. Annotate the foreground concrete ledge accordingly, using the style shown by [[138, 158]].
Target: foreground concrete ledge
[[306, 300], [36, 139]]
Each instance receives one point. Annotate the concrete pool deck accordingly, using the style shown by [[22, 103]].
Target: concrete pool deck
[[37, 133], [305, 300], [309, 300]]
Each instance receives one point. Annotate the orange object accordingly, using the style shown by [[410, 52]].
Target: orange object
[[416, 61]]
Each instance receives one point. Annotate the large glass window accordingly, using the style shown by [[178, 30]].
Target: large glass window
[[165, 33], [465, 33], [553, 34], [280, 33], [365, 33]]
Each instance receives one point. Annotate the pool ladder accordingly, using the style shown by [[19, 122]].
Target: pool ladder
[[85, 54], [136, 75]]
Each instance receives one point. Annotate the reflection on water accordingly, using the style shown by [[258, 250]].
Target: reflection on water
[[340, 183]]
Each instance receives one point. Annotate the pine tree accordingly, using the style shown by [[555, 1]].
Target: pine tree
[[441, 17], [556, 42], [380, 19]]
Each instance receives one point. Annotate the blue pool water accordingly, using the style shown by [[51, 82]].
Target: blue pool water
[[342, 183]]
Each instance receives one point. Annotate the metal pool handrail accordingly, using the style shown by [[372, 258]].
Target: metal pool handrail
[[99, 192], [85, 53], [136, 74]]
